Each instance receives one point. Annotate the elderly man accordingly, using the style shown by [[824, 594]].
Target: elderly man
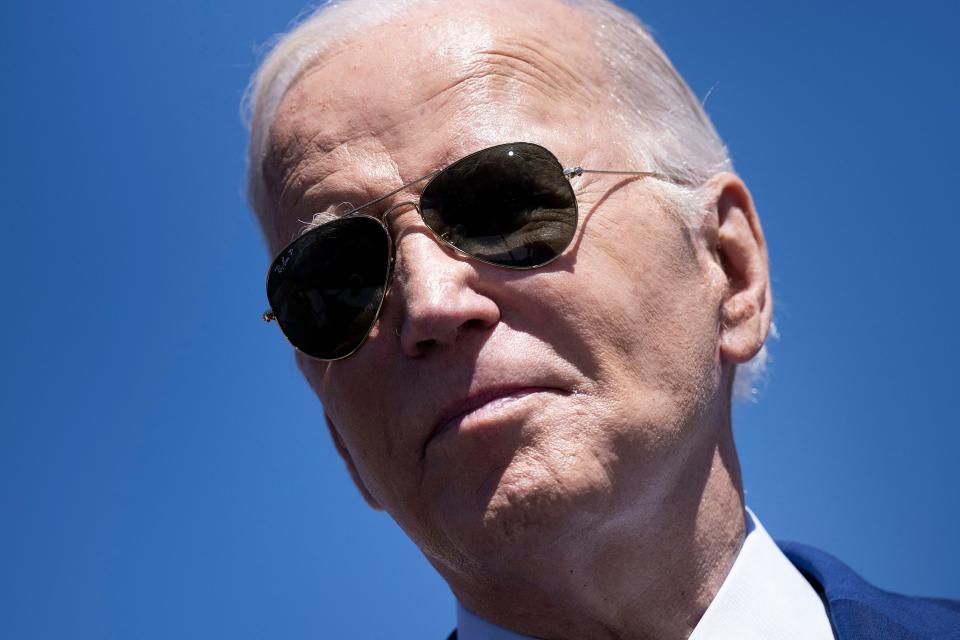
[[520, 274]]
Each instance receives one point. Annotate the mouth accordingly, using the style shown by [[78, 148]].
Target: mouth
[[485, 406]]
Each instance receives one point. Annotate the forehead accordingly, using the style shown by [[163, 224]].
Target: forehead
[[412, 95]]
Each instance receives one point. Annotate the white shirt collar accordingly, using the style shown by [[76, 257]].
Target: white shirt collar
[[763, 597]]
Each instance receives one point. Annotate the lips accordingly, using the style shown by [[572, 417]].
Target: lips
[[484, 401]]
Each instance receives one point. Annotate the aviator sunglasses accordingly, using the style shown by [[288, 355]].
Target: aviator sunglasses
[[511, 205]]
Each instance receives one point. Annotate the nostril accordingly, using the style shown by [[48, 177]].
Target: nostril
[[427, 345], [474, 323], [437, 298]]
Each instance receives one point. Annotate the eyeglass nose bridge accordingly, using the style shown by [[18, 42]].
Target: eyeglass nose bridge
[[403, 203], [416, 205], [386, 224]]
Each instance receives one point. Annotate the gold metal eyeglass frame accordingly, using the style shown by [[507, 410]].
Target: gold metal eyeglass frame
[[569, 173]]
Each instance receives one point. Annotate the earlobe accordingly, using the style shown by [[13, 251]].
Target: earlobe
[[351, 467], [747, 304]]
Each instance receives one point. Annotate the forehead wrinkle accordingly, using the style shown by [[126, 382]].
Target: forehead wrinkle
[[314, 167], [304, 162], [499, 76], [317, 167], [328, 181], [496, 72], [552, 77], [301, 142], [486, 50], [294, 162]]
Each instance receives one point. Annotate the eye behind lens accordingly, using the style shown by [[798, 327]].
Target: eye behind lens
[[326, 289], [509, 205]]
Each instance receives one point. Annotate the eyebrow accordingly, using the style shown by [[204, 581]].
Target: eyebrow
[[323, 216], [327, 215]]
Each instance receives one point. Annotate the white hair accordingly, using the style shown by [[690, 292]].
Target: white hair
[[668, 130]]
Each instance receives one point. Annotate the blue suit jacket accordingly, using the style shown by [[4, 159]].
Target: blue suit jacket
[[860, 611]]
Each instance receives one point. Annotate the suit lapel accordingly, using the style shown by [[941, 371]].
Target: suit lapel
[[858, 610]]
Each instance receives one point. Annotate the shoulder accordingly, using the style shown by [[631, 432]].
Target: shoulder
[[857, 609]]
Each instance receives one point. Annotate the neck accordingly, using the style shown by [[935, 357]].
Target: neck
[[649, 572]]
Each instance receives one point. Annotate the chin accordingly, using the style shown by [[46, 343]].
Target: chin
[[532, 501]]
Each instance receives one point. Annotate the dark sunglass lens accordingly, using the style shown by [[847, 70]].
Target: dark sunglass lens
[[326, 288], [510, 205]]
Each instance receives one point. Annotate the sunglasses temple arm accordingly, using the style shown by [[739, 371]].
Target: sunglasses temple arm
[[573, 172]]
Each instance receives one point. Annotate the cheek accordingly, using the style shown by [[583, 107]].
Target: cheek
[[383, 441], [358, 417], [641, 304]]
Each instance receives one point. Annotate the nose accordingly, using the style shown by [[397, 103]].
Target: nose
[[437, 294]]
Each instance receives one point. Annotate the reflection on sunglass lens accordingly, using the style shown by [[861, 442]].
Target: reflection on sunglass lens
[[326, 288], [509, 205]]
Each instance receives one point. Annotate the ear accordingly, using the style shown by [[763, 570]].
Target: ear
[[742, 250], [351, 467]]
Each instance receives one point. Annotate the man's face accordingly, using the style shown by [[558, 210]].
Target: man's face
[[491, 410]]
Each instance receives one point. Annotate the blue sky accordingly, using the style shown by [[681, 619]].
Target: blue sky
[[165, 472]]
